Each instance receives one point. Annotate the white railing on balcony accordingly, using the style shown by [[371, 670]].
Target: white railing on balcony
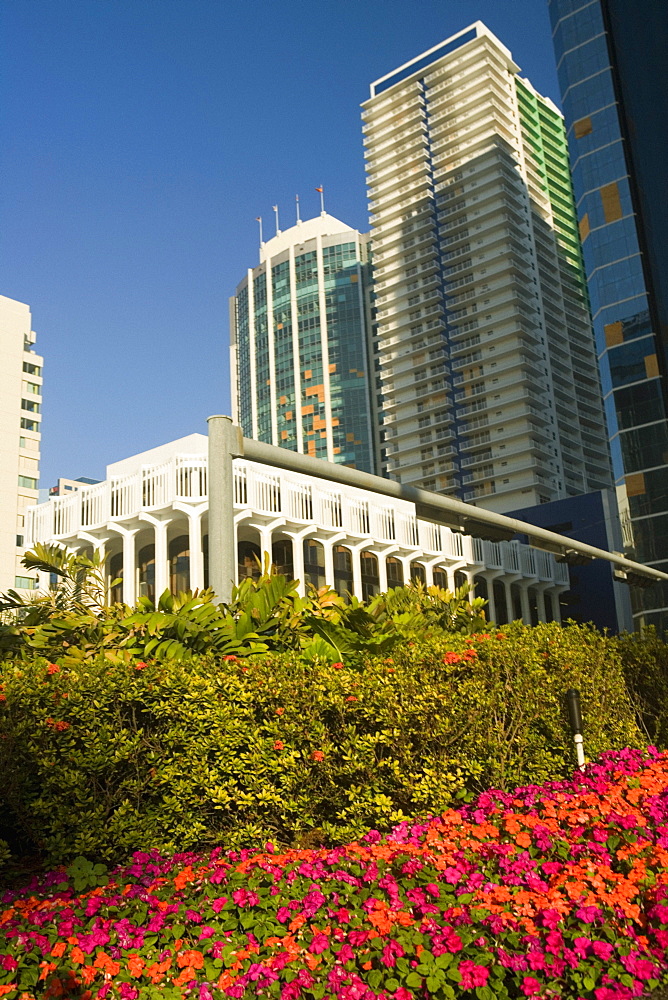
[[266, 493]]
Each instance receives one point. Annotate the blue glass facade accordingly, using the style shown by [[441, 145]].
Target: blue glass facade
[[302, 377], [614, 106]]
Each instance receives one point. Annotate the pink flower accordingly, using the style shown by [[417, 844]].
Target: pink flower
[[530, 986], [390, 953], [319, 944], [472, 974]]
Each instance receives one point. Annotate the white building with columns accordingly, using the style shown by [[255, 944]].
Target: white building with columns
[[151, 517]]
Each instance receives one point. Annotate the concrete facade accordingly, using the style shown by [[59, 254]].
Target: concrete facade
[[151, 516], [488, 375], [20, 436]]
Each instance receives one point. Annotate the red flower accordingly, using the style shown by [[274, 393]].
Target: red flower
[[337, 666], [140, 666], [351, 697], [279, 711], [452, 658], [230, 658], [279, 745], [318, 755], [53, 668]]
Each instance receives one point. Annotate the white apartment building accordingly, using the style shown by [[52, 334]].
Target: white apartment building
[[151, 518], [20, 406], [489, 387]]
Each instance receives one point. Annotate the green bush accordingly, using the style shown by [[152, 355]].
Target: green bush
[[644, 659], [101, 757]]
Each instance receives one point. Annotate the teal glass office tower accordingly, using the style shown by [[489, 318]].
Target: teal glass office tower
[[611, 63], [300, 366]]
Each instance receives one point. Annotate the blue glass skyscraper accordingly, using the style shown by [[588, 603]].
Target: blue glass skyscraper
[[611, 65]]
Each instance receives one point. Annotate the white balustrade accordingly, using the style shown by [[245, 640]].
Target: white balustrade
[[266, 492]]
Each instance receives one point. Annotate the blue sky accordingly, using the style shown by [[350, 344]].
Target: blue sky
[[141, 138]]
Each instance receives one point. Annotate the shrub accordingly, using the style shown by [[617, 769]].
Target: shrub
[[644, 658], [101, 758], [547, 891]]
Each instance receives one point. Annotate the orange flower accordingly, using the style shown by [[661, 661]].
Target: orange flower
[[279, 745], [58, 949], [191, 959], [318, 755], [135, 964]]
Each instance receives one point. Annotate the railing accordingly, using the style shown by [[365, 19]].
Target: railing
[[299, 499]]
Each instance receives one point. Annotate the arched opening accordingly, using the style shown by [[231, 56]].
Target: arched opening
[[343, 570], [418, 573], [516, 597], [116, 573], [460, 579], [146, 561], [499, 592], [249, 558], [179, 564], [282, 558], [481, 588], [370, 575], [395, 572], [314, 563], [441, 579]]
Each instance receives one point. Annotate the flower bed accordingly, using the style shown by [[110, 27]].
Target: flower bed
[[549, 891]]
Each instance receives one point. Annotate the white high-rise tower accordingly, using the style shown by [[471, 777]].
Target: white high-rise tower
[[20, 405], [489, 381]]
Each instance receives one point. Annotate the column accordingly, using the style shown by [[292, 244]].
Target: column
[[406, 567], [357, 572], [161, 569], [382, 573], [524, 599], [510, 607], [265, 543], [196, 581], [490, 610], [540, 604], [329, 563], [298, 561], [225, 443], [129, 566]]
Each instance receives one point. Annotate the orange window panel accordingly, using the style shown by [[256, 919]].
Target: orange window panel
[[323, 434], [335, 422], [613, 334], [350, 437], [584, 227], [283, 399], [307, 409], [288, 414], [332, 369], [311, 447], [284, 435], [612, 206], [336, 451], [651, 366], [308, 373], [582, 127], [635, 484]]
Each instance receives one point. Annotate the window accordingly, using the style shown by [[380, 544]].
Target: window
[[19, 541], [29, 425], [32, 388], [27, 482], [28, 404], [31, 369], [25, 582]]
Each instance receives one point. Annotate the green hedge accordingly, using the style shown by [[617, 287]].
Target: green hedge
[[100, 758]]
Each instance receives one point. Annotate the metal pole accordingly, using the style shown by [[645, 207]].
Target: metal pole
[[225, 443], [575, 717]]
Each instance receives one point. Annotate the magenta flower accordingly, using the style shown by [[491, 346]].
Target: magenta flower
[[319, 944], [530, 986], [472, 974], [390, 953]]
